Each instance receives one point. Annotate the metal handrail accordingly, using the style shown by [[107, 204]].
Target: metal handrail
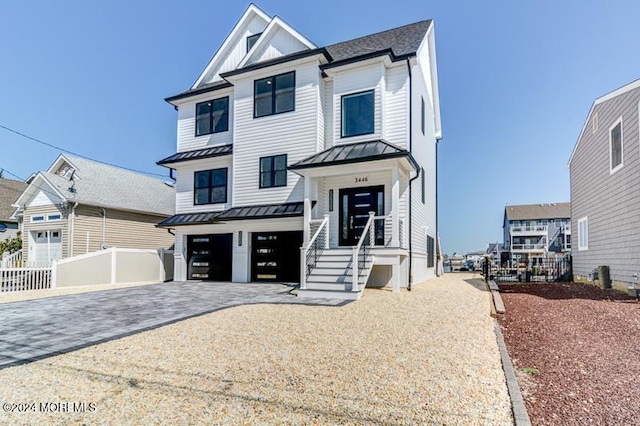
[[311, 252], [361, 249]]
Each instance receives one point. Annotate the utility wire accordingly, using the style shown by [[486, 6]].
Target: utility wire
[[73, 153], [45, 190]]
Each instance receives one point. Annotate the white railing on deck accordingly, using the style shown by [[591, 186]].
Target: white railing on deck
[[310, 253], [11, 260], [22, 279]]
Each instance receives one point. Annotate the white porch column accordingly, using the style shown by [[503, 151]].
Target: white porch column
[[307, 211], [395, 207]]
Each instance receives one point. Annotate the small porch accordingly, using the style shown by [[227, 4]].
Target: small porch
[[354, 222]]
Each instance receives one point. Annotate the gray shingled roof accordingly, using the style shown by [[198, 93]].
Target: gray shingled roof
[[538, 211], [263, 211], [198, 154], [354, 153], [10, 190], [100, 184], [401, 42]]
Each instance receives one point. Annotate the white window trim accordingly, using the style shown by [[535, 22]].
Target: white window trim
[[619, 166], [585, 238], [54, 220]]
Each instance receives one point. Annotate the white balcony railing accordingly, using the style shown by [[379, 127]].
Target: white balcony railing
[[541, 229], [567, 229], [528, 247]]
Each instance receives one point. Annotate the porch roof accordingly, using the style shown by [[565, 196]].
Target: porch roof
[[197, 154], [264, 211], [355, 153]]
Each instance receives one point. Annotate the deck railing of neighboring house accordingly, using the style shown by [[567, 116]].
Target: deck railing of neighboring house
[[529, 228], [361, 251], [528, 247], [310, 253], [11, 260]]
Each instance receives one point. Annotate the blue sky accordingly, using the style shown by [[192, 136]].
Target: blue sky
[[516, 82]]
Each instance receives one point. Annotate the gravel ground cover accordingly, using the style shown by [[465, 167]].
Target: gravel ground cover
[[426, 356], [577, 350]]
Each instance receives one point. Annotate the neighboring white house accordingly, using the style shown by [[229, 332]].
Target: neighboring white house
[[284, 148], [79, 206]]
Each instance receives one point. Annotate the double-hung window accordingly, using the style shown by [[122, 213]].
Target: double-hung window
[[210, 187], [615, 146], [273, 171], [583, 234], [274, 95], [212, 116], [358, 111]]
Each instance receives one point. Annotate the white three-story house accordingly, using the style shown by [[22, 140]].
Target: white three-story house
[[306, 164]]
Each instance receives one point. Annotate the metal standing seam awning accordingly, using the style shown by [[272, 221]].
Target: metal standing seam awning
[[215, 151], [355, 153], [264, 211]]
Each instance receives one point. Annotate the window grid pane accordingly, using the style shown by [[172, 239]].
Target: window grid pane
[[274, 95], [210, 187], [203, 120], [358, 114], [220, 115], [273, 171]]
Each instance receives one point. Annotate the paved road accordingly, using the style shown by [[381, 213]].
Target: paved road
[[40, 328]]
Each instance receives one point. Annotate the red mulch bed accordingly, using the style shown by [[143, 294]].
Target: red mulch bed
[[585, 344]]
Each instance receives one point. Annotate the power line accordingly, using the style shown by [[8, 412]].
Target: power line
[[73, 153]]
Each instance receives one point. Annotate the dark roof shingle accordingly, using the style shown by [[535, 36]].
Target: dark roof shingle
[[538, 211], [10, 190]]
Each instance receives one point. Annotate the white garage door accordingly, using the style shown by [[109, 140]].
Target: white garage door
[[46, 246]]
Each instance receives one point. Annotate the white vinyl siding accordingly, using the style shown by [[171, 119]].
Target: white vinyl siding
[[396, 106], [277, 44], [583, 234], [185, 184], [293, 133], [187, 139], [352, 81]]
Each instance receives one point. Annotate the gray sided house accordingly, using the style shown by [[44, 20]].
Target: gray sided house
[[10, 190], [535, 231], [605, 188], [79, 206]]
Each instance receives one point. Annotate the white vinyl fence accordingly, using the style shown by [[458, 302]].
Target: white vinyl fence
[[110, 266]]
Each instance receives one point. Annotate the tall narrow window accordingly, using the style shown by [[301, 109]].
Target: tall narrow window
[[615, 146], [273, 171], [212, 116], [583, 234], [422, 115], [274, 95], [210, 187], [430, 251], [251, 40], [358, 112]]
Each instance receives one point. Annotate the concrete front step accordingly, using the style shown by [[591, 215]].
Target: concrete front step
[[330, 294]]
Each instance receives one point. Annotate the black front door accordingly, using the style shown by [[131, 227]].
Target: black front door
[[355, 205], [276, 256], [210, 257]]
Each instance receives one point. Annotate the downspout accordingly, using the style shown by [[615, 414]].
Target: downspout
[[72, 220], [104, 229], [417, 174]]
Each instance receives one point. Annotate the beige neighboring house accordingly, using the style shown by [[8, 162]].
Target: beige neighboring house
[[10, 190], [80, 206]]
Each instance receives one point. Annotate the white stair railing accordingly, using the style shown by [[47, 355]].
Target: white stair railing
[[361, 250], [11, 260], [310, 253]]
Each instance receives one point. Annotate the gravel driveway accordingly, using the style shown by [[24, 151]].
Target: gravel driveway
[[425, 356]]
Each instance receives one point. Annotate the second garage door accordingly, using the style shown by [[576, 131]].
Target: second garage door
[[276, 256]]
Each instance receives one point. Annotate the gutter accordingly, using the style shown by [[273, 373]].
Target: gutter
[[409, 219]]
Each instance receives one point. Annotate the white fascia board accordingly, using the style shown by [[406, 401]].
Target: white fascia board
[[624, 89], [214, 94], [246, 17], [431, 45], [267, 71], [33, 188], [275, 24], [384, 58], [56, 164]]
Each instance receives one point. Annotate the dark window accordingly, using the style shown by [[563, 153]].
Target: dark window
[[358, 114], [251, 40], [422, 116], [273, 171], [424, 189], [212, 116], [274, 95], [430, 251], [616, 146], [210, 187]]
